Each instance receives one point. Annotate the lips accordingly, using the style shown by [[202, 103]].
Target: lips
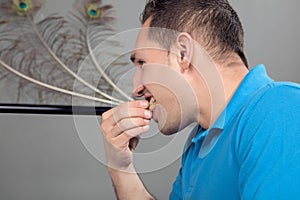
[[152, 104]]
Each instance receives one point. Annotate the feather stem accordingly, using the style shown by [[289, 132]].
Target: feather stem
[[51, 87], [66, 68], [101, 70]]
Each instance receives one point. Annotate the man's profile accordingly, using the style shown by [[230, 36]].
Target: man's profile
[[191, 67]]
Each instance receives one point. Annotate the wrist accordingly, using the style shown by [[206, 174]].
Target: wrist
[[128, 185], [121, 170]]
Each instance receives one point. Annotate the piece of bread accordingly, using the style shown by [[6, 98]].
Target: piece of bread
[[152, 104]]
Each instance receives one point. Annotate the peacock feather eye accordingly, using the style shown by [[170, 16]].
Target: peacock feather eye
[[22, 6], [94, 11]]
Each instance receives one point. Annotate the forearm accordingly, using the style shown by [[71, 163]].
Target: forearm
[[128, 186], [121, 128]]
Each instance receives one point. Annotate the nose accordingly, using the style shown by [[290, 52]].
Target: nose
[[138, 90]]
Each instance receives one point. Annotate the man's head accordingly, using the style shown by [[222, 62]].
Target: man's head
[[181, 54], [212, 23]]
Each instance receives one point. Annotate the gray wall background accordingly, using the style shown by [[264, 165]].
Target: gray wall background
[[42, 157]]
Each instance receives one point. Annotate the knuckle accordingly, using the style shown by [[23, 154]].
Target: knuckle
[[104, 130], [121, 126], [134, 132], [137, 112], [102, 127], [106, 114], [129, 133], [140, 122], [124, 105], [130, 123], [113, 141], [103, 116], [119, 113], [126, 110]]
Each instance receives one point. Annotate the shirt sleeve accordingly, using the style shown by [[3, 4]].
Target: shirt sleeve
[[269, 153]]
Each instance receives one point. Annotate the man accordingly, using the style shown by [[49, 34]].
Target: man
[[191, 65]]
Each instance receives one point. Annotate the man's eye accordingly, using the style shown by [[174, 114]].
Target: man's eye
[[140, 63]]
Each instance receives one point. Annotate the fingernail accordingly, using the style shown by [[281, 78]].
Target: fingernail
[[146, 127], [146, 121], [144, 104], [148, 114]]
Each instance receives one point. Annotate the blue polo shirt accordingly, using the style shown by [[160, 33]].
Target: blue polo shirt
[[252, 152]]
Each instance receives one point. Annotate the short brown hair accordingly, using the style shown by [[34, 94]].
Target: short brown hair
[[213, 22]]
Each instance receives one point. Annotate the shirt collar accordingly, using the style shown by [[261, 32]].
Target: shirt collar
[[254, 80]]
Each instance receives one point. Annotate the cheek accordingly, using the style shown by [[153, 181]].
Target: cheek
[[170, 88], [170, 119], [166, 84], [164, 77], [169, 108], [137, 80]]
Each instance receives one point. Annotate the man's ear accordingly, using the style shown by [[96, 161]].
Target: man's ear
[[185, 48]]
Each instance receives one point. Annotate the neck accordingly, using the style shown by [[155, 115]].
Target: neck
[[232, 76], [220, 90]]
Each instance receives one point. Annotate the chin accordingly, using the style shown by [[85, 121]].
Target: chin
[[167, 126], [168, 130]]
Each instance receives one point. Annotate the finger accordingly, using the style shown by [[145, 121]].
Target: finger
[[107, 114], [122, 123], [124, 138], [127, 124], [136, 104], [130, 112], [125, 106], [125, 110]]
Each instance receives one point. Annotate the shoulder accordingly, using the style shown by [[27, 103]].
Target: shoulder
[[281, 93], [272, 118], [268, 148], [277, 100], [280, 104]]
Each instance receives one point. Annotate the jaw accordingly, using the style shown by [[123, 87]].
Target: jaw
[[168, 119], [170, 115]]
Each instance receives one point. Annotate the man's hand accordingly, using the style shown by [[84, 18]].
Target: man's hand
[[121, 127]]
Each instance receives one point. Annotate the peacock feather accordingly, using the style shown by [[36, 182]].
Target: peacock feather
[[93, 23], [47, 54], [93, 11], [22, 7]]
